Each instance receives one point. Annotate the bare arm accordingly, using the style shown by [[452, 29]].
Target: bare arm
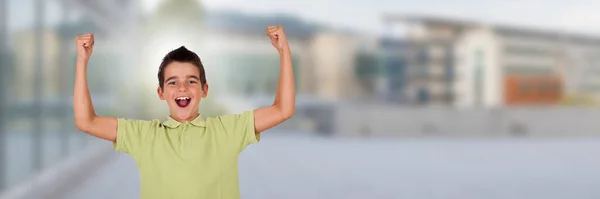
[[284, 105], [86, 119]]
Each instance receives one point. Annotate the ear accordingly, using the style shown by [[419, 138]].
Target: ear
[[204, 90], [160, 93]]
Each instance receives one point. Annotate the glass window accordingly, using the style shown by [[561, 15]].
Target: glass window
[[250, 74], [527, 51], [395, 72], [29, 49], [367, 65]]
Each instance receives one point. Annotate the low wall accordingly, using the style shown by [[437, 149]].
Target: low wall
[[523, 121]]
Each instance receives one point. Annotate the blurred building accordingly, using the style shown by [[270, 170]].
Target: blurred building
[[39, 72], [25, 58], [427, 63], [469, 64], [59, 68], [394, 68], [348, 66], [241, 61], [379, 69], [331, 72]]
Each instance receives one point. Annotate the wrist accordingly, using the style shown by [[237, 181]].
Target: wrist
[[82, 60], [284, 50], [82, 63]]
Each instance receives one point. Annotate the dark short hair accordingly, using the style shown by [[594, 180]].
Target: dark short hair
[[184, 55]]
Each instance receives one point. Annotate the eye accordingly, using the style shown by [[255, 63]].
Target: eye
[[171, 83], [192, 82]]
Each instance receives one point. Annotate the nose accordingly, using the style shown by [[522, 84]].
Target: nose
[[181, 88]]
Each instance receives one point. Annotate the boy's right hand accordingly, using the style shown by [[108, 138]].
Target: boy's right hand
[[85, 46]]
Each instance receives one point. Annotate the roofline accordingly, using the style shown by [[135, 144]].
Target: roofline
[[542, 32], [430, 19]]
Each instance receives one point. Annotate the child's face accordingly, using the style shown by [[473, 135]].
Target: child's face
[[182, 90]]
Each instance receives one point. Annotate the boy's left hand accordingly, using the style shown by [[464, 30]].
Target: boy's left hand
[[277, 37]]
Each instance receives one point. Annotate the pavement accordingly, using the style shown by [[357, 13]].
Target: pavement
[[300, 167]]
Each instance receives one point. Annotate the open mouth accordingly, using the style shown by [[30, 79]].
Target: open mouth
[[183, 101]]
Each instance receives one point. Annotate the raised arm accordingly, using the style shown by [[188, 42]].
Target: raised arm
[[86, 119], [285, 99]]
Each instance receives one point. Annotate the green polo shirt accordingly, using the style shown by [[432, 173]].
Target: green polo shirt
[[191, 160]]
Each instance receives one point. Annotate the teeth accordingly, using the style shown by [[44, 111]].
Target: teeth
[[182, 98]]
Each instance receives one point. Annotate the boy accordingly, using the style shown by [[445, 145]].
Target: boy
[[186, 156]]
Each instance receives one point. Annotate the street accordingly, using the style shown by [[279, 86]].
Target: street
[[299, 167]]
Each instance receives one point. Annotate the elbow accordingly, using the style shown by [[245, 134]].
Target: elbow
[[84, 122], [82, 125], [286, 110], [288, 113]]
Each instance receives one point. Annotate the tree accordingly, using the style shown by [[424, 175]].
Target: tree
[[179, 15]]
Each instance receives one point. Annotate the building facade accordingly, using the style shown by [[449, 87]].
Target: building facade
[[470, 64], [429, 57]]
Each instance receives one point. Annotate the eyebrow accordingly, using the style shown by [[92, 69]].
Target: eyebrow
[[189, 76], [171, 78]]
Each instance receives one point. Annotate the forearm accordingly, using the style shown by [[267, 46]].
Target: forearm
[[285, 96], [85, 117], [82, 102]]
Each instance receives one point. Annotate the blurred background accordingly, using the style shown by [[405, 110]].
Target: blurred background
[[396, 99]]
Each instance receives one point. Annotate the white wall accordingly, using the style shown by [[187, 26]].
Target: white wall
[[492, 89], [582, 68]]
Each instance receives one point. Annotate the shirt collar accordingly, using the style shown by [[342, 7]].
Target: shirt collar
[[172, 123]]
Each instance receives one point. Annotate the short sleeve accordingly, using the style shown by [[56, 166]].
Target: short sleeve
[[240, 128], [131, 135]]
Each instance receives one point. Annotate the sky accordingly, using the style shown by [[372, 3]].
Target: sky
[[580, 16]]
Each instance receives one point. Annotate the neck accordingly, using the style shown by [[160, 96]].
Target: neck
[[188, 119]]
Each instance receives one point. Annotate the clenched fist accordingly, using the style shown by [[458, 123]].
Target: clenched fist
[[277, 37], [85, 46]]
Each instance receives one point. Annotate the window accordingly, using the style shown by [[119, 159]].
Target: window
[[260, 70], [367, 65], [423, 56], [422, 96], [449, 69], [395, 71], [527, 51], [479, 70]]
